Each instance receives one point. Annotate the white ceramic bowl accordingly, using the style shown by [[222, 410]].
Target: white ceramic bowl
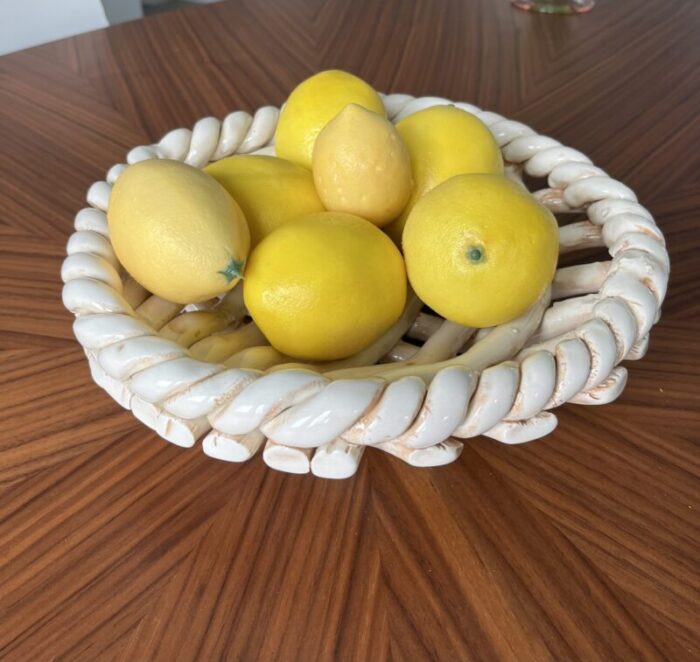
[[501, 382]]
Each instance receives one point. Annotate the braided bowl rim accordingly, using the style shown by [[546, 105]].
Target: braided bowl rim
[[503, 386]]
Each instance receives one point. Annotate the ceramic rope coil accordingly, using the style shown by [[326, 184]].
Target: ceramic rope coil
[[502, 385]]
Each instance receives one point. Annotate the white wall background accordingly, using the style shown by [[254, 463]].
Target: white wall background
[[25, 23]]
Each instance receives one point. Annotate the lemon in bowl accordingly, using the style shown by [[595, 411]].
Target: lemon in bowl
[[314, 103], [361, 166], [270, 191], [325, 286], [444, 141], [480, 250], [177, 231]]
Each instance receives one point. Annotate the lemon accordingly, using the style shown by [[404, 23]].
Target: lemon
[[270, 191], [444, 141], [479, 249], [314, 103], [361, 166], [325, 286], [177, 231]]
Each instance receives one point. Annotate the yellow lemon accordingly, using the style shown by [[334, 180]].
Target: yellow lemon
[[314, 103], [479, 249], [325, 286], [361, 166], [270, 191], [444, 141], [177, 231]]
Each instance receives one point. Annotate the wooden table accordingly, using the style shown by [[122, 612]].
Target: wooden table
[[116, 545]]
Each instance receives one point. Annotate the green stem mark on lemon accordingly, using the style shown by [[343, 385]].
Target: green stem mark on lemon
[[172, 226], [476, 254], [233, 270], [492, 224]]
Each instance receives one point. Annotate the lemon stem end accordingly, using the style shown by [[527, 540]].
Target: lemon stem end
[[476, 254], [233, 270]]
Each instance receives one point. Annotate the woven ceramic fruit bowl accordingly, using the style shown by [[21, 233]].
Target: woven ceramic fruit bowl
[[454, 383]]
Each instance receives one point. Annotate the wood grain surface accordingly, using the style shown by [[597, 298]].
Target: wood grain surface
[[115, 545]]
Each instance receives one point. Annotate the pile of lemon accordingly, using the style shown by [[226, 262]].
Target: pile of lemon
[[323, 236]]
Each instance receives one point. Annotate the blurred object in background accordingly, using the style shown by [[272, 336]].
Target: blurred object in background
[[25, 23], [555, 6], [155, 3], [154, 6], [118, 11]]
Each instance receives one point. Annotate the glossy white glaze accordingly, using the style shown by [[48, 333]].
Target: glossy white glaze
[[392, 415], [520, 432], [493, 399], [325, 416], [286, 458], [338, 459], [445, 407], [538, 378], [266, 397], [229, 448]]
